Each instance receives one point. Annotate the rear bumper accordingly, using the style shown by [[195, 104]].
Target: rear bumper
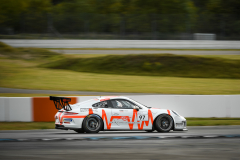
[[58, 126]]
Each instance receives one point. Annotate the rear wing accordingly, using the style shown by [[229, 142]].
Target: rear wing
[[61, 103]]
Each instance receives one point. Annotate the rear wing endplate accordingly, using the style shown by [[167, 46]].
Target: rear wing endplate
[[61, 103]]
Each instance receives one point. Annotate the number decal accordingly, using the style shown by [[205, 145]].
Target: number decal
[[142, 117]]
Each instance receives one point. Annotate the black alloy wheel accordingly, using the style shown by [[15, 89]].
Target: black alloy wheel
[[164, 123], [92, 124]]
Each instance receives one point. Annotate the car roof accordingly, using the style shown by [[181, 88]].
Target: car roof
[[111, 97]]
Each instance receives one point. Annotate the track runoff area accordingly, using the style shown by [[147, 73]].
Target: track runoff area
[[213, 142]]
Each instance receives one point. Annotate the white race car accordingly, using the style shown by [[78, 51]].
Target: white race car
[[114, 113]]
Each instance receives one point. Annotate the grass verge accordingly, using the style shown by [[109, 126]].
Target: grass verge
[[24, 75], [51, 125], [167, 65], [212, 121], [147, 49], [35, 95], [20, 70], [26, 125]]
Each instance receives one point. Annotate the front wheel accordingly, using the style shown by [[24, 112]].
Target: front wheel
[[164, 123], [92, 124]]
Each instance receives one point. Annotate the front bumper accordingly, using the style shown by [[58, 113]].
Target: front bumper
[[185, 129], [180, 124]]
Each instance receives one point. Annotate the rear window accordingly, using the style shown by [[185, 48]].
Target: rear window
[[101, 104]]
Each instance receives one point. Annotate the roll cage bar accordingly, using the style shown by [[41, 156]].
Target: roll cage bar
[[61, 103]]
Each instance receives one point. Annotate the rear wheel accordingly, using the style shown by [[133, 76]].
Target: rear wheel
[[164, 123], [92, 124]]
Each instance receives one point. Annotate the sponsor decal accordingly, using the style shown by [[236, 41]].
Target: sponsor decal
[[84, 109], [142, 117], [90, 111], [168, 112], [127, 119], [67, 120]]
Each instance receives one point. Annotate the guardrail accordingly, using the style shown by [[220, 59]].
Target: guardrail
[[41, 109]]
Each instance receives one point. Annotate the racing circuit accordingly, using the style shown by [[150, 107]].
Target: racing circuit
[[219, 142], [210, 142]]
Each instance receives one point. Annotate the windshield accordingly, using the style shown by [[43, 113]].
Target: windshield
[[139, 104]]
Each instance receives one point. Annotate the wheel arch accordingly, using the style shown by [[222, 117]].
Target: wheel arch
[[173, 126], [97, 116]]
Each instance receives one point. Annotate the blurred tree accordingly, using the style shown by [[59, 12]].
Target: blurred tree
[[158, 17], [10, 11], [13, 13], [222, 17], [55, 2], [228, 16]]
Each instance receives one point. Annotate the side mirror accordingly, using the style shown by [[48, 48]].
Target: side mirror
[[135, 107]]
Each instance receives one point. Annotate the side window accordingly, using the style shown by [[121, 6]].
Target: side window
[[124, 104], [101, 104]]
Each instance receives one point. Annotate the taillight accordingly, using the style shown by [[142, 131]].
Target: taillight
[[70, 113]]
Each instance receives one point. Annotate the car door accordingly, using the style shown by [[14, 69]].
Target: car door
[[122, 114], [144, 120], [105, 111]]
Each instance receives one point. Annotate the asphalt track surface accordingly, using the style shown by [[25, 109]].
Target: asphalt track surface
[[53, 133], [178, 52], [163, 44], [211, 148]]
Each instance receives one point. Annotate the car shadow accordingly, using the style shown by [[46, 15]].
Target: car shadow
[[122, 132]]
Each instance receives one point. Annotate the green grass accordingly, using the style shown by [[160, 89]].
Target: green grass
[[22, 71], [212, 121], [51, 125], [26, 125], [160, 49], [30, 54], [232, 57], [35, 95], [167, 65], [25, 75]]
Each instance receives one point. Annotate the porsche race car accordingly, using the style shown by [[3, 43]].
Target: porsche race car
[[114, 113]]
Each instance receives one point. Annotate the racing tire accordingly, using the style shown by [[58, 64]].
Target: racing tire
[[163, 123], [92, 124], [79, 130]]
